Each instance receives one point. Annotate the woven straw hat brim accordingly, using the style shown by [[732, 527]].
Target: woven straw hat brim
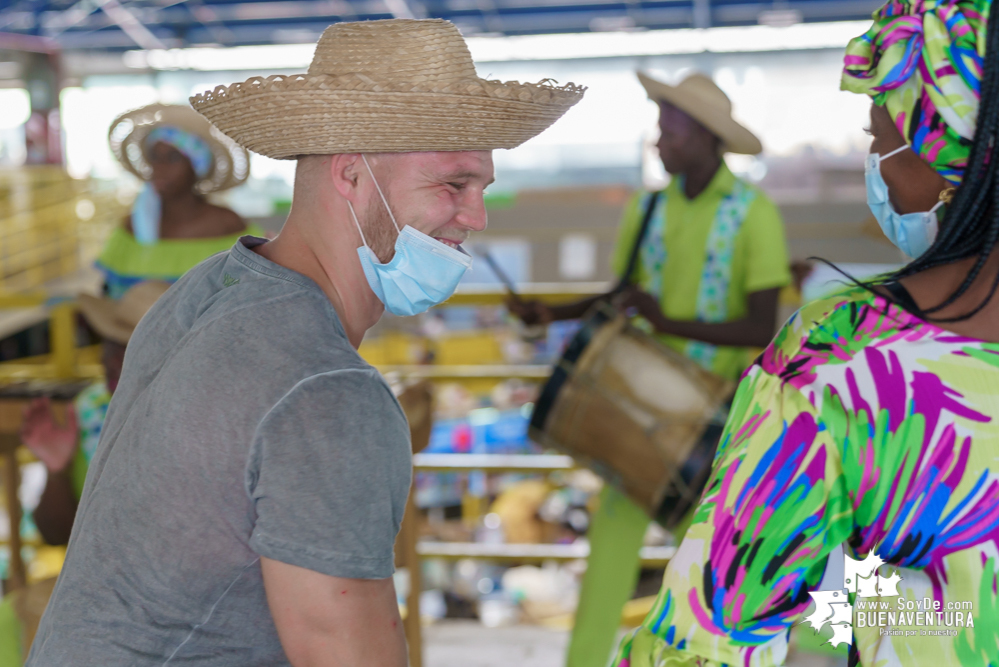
[[115, 320], [128, 134], [101, 314], [735, 137], [287, 116]]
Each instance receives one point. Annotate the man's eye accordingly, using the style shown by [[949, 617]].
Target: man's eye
[[456, 186]]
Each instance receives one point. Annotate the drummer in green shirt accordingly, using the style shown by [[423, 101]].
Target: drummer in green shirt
[[709, 270], [714, 257]]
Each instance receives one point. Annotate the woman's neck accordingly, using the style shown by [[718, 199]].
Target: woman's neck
[[179, 209], [934, 286]]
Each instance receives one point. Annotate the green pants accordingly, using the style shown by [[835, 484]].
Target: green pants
[[616, 532], [10, 634]]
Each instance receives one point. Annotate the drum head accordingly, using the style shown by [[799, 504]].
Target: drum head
[[573, 351], [641, 415]]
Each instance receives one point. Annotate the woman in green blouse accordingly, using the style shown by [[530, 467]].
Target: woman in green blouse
[[172, 227]]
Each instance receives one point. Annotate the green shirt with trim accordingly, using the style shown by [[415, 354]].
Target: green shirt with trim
[[759, 262]]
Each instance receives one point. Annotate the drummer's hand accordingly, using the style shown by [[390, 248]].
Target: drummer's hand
[[636, 298], [529, 312], [54, 445]]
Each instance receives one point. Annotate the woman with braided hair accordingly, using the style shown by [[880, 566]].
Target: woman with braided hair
[[871, 422]]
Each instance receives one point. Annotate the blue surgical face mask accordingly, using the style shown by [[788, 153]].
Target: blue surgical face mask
[[423, 272], [912, 233]]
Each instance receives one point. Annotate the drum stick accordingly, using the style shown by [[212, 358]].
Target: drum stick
[[505, 279]]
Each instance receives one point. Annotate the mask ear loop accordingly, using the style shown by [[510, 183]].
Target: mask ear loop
[[381, 194], [894, 152], [357, 224]]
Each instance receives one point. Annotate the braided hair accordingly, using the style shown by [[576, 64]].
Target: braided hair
[[971, 225]]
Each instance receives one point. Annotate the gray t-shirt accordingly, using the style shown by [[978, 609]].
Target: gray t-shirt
[[245, 425]]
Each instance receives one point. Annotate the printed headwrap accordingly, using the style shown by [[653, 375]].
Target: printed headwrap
[[191, 145], [922, 60]]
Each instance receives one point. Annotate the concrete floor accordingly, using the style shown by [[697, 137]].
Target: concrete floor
[[460, 643]]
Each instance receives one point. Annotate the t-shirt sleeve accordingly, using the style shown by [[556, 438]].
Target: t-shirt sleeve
[[329, 476], [767, 262], [774, 508]]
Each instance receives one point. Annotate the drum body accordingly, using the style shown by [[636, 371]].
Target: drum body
[[635, 412]]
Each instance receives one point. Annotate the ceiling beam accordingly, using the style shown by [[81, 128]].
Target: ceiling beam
[[13, 41], [400, 9], [56, 22], [130, 25]]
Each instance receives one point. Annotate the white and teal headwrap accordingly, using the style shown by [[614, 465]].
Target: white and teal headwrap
[[191, 145]]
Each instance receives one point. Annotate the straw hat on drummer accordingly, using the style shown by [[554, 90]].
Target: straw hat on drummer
[[702, 100]]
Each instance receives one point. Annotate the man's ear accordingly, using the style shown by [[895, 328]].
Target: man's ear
[[344, 170]]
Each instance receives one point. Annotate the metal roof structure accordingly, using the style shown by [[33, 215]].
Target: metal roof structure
[[163, 24]]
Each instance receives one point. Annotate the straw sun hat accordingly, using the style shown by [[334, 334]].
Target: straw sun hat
[[116, 320], [702, 100], [392, 86], [231, 164]]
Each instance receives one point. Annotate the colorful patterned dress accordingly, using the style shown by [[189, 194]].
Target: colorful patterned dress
[[91, 407], [864, 426]]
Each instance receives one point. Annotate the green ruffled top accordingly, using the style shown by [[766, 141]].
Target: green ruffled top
[[126, 262]]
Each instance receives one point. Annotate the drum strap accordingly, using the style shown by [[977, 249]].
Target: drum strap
[[642, 231]]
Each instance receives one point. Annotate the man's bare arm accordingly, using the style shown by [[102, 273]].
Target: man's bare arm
[[326, 621]]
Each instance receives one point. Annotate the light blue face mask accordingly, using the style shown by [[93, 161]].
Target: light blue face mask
[[423, 272], [912, 233]]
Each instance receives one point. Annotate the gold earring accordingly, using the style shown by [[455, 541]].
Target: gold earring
[[947, 195]]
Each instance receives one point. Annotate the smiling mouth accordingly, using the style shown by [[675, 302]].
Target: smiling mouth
[[449, 243]]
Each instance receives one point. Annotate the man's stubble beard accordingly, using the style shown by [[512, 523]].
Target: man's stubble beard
[[379, 230]]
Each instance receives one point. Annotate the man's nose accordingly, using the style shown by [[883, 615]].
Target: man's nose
[[473, 213]]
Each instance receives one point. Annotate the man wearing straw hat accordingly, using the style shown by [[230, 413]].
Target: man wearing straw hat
[[709, 267], [243, 502]]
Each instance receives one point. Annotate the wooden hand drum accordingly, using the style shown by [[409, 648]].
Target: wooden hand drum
[[635, 412]]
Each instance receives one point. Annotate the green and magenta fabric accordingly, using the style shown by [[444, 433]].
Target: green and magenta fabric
[[922, 60], [860, 426]]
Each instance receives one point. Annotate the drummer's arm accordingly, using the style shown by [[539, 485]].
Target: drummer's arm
[[536, 312], [756, 329]]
